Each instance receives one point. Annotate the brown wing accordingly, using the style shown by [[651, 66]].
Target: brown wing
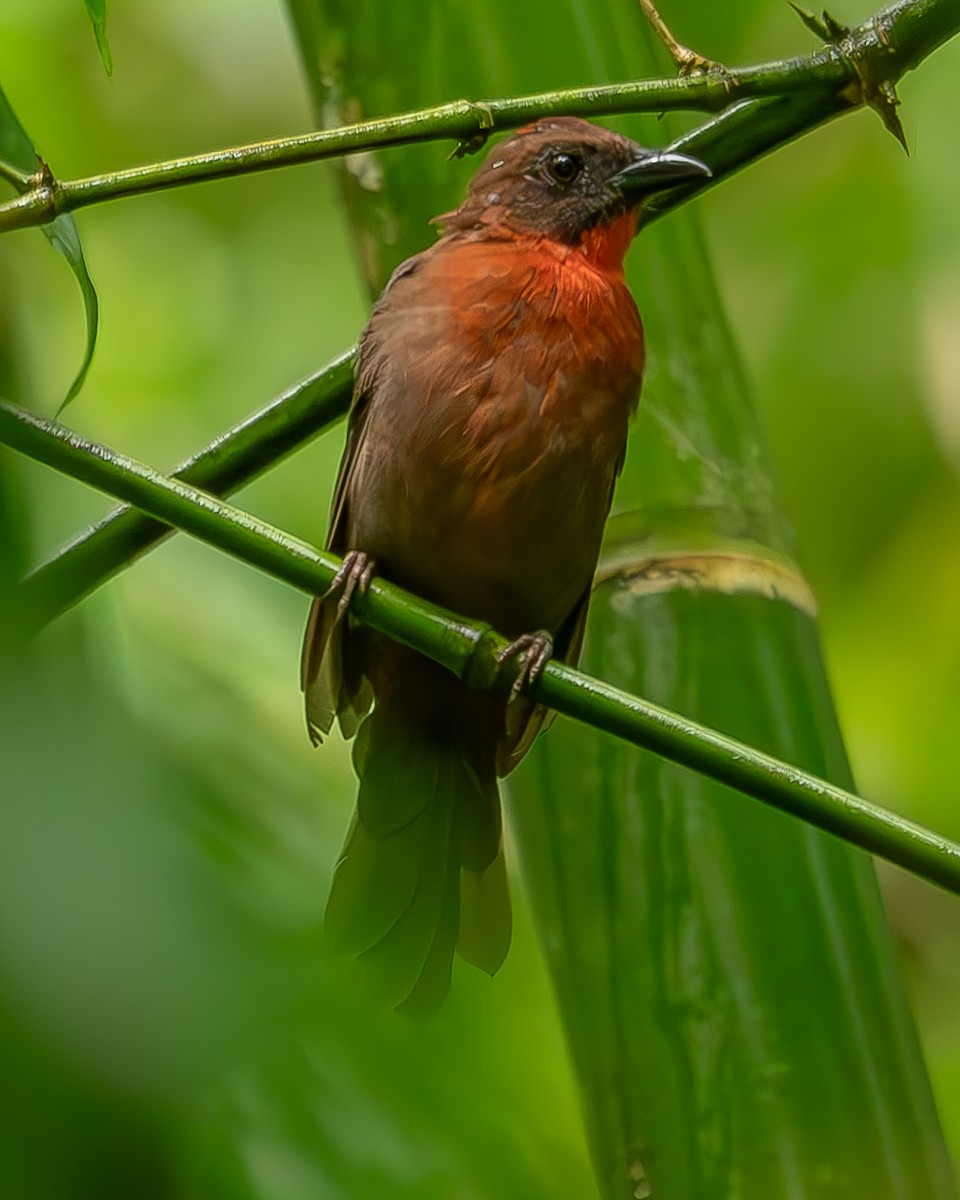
[[330, 673], [330, 678]]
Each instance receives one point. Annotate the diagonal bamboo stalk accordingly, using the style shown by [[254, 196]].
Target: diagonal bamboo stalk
[[224, 466], [470, 650]]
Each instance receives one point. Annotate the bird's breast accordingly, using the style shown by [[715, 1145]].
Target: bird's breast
[[505, 378]]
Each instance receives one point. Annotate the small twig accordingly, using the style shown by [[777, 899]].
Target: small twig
[[688, 61], [21, 181]]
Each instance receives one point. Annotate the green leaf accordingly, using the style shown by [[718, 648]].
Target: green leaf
[[19, 165], [18, 159], [64, 236], [98, 18]]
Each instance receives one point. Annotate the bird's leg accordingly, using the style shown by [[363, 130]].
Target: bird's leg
[[354, 574], [688, 61], [534, 651]]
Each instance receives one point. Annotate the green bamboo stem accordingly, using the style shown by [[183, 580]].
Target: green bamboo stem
[[223, 467], [880, 50], [470, 650], [742, 134]]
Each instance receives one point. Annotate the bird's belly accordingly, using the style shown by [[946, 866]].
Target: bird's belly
[[516, 548], [526, 549]]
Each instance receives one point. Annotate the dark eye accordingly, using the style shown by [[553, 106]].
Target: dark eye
[[564, 168]]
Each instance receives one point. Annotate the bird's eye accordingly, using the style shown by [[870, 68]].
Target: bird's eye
[[564, 168]]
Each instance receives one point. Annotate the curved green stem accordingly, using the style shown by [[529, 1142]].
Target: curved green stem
[[470, 650], [846, 74], [227, 464]]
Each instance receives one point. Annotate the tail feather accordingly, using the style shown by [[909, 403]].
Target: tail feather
[[431, 989], [373, 884], [396, 963], [422, 871], [479, 823], [334, 686], [320, 670], [486, 923], [399, 775]]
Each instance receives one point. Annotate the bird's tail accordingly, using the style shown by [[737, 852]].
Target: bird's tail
[[422, 871]]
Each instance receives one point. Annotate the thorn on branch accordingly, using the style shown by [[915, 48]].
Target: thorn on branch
[[824, 27], [476, 141], [885, 101], [873, 88]]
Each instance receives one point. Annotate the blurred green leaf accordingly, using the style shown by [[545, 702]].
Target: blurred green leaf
[[19, 163], [98, 18], [64, 237], [16, 149]]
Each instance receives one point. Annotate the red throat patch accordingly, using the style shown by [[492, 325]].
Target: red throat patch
[[605, 246]]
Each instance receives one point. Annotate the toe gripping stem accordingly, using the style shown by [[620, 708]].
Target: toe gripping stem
[[534, 650], [353, 575]]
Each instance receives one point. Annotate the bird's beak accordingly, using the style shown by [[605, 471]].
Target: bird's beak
[[655, 170]]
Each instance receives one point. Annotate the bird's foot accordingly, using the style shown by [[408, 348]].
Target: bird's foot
[[534, 651], [354, 575]]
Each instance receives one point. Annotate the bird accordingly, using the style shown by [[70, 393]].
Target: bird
[[494, 383]]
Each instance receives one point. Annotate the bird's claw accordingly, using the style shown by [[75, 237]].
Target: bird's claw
[[534, 651], [353, 575]]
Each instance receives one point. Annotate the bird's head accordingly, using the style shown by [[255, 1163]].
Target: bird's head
[[563, 178]]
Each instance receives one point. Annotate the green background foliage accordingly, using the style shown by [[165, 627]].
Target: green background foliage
[[166, 833]]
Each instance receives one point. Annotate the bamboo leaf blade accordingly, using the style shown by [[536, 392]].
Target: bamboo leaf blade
[[18, 158], [64, 236], [97, 11], [23, 167]]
